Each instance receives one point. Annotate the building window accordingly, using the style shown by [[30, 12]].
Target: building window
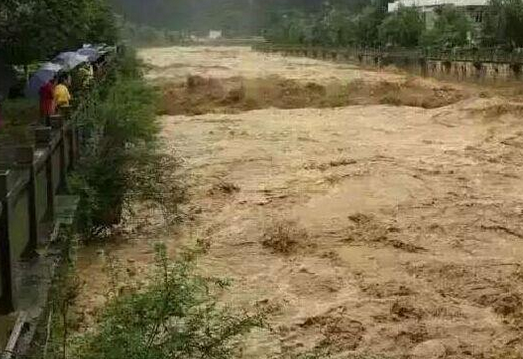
[[479, 17]]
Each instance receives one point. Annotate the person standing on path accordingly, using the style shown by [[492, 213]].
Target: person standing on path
[[61, 93], [47, 104]]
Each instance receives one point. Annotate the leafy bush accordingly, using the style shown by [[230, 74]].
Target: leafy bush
[[283, 236], [119, 124], [153, 179], [175, 316]]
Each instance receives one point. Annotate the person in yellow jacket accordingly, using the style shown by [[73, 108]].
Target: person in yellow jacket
[[61, 93]]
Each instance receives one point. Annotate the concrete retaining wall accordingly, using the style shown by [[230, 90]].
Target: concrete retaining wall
[[492, 68]]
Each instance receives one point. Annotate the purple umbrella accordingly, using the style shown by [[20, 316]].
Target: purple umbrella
[[46, 72]]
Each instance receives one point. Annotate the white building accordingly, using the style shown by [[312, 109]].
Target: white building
[[474, 8], [428, 5], [215, 34]]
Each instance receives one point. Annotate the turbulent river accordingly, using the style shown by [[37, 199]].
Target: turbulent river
[[399, 201]]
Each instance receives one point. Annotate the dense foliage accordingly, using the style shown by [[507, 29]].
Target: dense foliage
[[118, 122], [373, 26], [329, 25], [360, 23], [121, 162], [34, 30], [503, 23], [403, 28], [363, 26], [451, 28]]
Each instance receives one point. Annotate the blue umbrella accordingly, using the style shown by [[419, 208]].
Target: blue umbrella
[[70, 60], [46, 72]]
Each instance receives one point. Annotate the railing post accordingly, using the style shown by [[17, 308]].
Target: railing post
[[6, 302], [70, 131], [43, 140], [25, 158], [57, 122]]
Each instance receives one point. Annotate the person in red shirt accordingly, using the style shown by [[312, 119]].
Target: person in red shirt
[[47, 100]]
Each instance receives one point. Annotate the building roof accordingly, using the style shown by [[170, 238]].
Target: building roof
[[433, 3]]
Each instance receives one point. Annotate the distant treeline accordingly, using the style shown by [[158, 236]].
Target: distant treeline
[[374, 26], [234, 17], [145, 35], [361, 23]]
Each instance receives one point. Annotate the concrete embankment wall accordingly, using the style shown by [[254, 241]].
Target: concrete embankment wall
[[479, 69]]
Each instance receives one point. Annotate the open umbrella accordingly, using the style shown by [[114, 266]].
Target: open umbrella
[[46, 72], [92, 53], [70, 60]]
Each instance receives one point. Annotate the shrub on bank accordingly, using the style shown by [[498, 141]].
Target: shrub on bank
[[120, 129], [176, 316]]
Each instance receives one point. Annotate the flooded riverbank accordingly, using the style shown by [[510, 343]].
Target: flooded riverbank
[[402, 222]]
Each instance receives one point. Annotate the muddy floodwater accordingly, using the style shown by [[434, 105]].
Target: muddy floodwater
[[365, 211]]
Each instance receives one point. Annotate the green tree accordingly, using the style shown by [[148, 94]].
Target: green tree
[[451, 28], [362, 27], [16, 25], [402, 28], [503, 23], [366, 26], [333, 24], [343, 28], [34, 30], [101, 23], [323, 32], [290, 27]]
